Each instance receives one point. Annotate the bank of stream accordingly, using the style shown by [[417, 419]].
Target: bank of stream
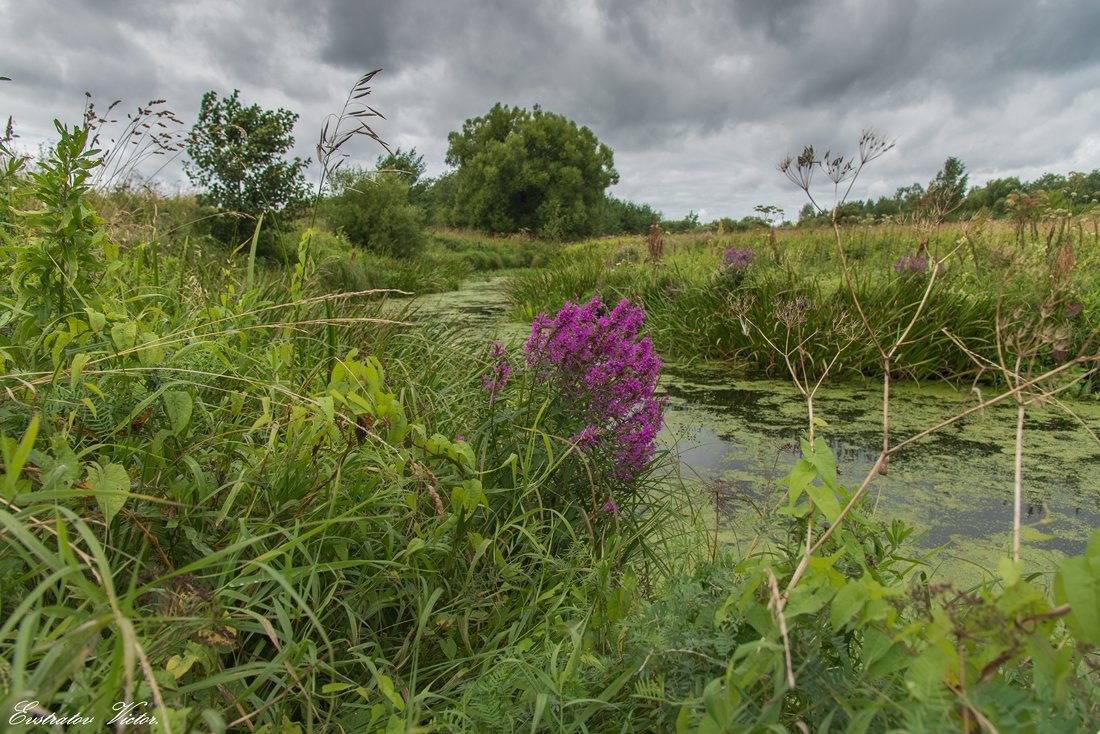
[[736, 437]]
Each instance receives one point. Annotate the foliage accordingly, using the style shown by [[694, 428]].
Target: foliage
[[618, 217], [485, 254], [214, 504], [237, 158], [529, 170], [373, 211], [407, 163], [53, 271], [948, 189]]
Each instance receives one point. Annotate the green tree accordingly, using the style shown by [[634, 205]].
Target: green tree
[[948, 189], [407, 163], [238, 157], [533, 170]]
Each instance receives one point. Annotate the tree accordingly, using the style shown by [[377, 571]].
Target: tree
[[406, 163], [948, 189], [237, 157], [529, 170]]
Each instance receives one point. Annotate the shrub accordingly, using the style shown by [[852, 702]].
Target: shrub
[[374, 213]]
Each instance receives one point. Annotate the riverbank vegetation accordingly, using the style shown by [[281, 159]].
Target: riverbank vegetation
[[725, 296], [249, 494]]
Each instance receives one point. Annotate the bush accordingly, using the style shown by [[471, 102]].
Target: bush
[[373, 212]]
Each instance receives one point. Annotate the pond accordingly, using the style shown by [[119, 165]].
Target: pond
[[736, 437]]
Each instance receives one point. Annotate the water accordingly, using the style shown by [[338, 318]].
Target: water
[[739, 436], [955, 486]]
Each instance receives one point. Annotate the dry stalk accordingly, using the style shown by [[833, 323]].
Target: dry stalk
[[775, 606]]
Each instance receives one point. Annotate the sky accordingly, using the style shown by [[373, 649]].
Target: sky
[[698, 100]]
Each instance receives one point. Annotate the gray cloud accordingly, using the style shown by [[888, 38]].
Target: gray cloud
[[698, 100]]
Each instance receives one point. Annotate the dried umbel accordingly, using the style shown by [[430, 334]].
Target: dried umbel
[[655, 242], [838, 169], [791, 312]]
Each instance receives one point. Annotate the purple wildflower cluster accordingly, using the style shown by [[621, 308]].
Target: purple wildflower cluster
[[495, 380], [606, 375], [738, 258], [911, 264]]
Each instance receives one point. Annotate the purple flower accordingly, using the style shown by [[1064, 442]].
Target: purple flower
[[495, 380], [610, 507], [605, 374], [738, 258], [911, 264], [589, 436]]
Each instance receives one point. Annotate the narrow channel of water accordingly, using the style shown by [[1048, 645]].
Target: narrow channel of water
[[739, 436]]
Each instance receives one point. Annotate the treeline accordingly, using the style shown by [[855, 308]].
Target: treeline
[[948, 197], [516, 171]]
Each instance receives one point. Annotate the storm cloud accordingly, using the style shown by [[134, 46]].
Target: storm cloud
[[699, 100]]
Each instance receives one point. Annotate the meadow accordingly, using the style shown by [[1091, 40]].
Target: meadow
[[259, 494]]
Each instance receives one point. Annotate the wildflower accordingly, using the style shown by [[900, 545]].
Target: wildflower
[[735, 261], [911, 263], [738, 258], [495, 380], [605, 374], [610, 507], [587, 437]]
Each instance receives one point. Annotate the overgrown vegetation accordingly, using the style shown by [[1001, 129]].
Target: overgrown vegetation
[[701, 307], [248, 498]]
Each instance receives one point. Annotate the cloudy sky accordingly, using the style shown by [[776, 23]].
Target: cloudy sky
[[698, 100]]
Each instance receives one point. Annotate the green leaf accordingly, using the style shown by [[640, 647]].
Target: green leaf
[[124, 335], [1078, 584], [801, 475], [385, 685], [153, 353], [336, 687], [76, 368], [1010, 570], [178, 406], [111, 485], [825, 500], [822, 459], [14, 459], [847, 605], [96, 320]]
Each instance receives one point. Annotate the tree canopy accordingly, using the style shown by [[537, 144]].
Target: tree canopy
[[529, 170], [237, 156]]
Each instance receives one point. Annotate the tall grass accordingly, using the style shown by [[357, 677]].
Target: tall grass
[[694, 312]]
